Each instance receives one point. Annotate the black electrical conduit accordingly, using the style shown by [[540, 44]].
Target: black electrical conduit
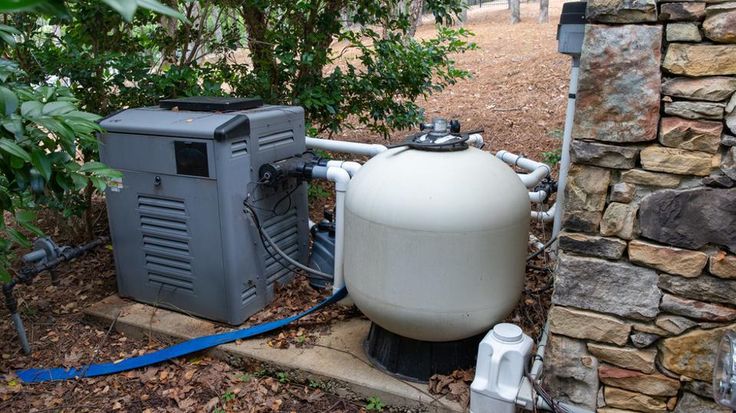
[[26, 276]]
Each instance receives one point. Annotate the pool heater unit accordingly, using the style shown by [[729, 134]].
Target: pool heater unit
[[180, 236]]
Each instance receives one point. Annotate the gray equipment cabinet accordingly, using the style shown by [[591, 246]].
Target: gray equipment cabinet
[[180, 237]]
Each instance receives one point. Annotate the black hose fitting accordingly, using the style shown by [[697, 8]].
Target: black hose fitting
[[299, 167]]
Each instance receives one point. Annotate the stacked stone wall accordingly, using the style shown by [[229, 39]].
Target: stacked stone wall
[[646, 279]]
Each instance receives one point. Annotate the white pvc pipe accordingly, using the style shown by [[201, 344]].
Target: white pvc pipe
[[366, 149], [349, 166], [341, 178], [566, 143], [537, 170], [538, 196], [545, 216], [476, 140]]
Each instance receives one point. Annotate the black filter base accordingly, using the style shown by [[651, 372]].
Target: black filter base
[[417, 360]]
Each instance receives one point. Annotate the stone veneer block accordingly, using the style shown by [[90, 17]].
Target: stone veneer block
[[616, 288], [625, 357], [642, 177], [668, 259], [639, 402], [571, 373], [674, 324], [586, 188], [676, 161], [682, 11], [649, 328], [689, 403], [603, 155], [699, 388], [700, 60], [731, 105], [618, 96], [731, 121], [583, 221], [683, 32], [587, 325], [692, 354], [694, 135], [606, 409], [728, 163], [723, 265], [718, 180], [592, 245], [712, 89], [619, 220], [622, 192], [695, 110], [621, 11], [690, 218], [720, 22], [643, 340], [703, 288], [651, 384], [698, 310]]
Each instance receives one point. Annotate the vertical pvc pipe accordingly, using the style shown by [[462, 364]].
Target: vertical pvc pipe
[[341, 178], [566, 143], [21, 333]]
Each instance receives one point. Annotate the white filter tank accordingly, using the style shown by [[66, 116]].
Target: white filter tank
[[435, 242]]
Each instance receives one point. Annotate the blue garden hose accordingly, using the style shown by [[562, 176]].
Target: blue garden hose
[[177, 350]]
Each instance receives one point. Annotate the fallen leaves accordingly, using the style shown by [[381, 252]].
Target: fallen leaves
[[455, 386]]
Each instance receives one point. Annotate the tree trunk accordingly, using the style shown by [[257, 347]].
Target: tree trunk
[[515, 11], [544, 11], [261, 51], [464, 13], [415, 15]]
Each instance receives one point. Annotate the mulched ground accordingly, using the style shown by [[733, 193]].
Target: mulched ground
[[517, 95]]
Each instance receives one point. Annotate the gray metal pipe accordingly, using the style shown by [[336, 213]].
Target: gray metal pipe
[[566, 143]]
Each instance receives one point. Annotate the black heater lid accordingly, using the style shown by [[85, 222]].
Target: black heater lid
[[211, 103]]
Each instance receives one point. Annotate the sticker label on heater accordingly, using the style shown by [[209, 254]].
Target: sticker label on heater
[[116, 184]]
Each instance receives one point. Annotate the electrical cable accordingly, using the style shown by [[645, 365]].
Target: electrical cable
[[544, 248], [265, 238]]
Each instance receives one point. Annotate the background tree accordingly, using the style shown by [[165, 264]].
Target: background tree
[[416, 10], [298, 52], [515, 11], [544, 11]]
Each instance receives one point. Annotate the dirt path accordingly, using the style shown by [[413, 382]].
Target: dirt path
[[518, 91]]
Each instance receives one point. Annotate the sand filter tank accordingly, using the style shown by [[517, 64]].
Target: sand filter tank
[[435, 244]]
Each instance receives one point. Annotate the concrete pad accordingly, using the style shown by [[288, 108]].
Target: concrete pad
[[338, 357]]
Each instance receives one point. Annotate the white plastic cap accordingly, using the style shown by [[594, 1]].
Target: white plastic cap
[[508, 333]]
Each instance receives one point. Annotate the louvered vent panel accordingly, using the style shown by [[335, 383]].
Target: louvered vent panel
[[284, 232], [163, 223], [239, 148], [275, 140], [248, 294]]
